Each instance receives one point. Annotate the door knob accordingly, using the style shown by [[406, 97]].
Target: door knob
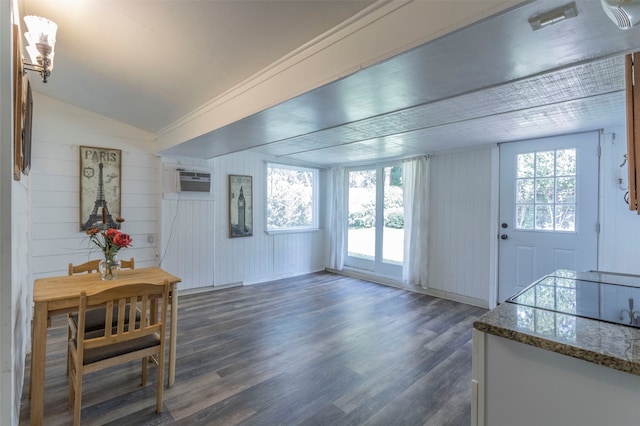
[[503, 236]]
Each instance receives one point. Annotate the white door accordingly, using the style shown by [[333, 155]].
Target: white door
[[375, 238], [548, 208]]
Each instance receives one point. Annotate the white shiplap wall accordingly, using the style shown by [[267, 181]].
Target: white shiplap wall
[[195, 230], [58, 130], [187, 243], [200, 256], [461, 241], [260, 257], [15, 246], [188, 239]]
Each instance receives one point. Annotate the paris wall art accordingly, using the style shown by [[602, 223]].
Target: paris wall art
[[100, 188], [240, 206]]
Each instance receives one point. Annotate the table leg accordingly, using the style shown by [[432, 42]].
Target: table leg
[[37, 362], [173, 335]]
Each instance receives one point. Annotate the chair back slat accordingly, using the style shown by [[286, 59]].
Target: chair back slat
[[132, 316], [92, 266], [145, 306], [108, 317]]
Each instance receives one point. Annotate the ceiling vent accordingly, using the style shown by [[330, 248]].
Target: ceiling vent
[[624, 13], [194, 181]]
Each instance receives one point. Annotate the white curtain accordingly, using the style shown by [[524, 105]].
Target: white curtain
[[415, 178], [337, 218]]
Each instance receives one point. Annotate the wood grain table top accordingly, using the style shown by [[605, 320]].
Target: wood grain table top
[[61, 292]]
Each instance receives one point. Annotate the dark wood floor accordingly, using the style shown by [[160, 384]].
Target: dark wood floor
[[321, 349]]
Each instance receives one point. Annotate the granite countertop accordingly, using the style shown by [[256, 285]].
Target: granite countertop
[[612, 345]]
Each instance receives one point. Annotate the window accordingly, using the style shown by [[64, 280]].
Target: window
[[292, 198], [546, 191]]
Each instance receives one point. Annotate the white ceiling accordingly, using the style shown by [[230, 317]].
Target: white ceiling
[[493, 81], [149, 62]]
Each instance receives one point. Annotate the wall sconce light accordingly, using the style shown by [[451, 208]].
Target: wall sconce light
[[41, 38]]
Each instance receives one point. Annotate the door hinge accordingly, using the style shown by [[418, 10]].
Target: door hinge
[[599, 151], [597, 227]]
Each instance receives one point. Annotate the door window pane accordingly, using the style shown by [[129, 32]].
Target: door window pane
[[524, 216], [361, 239], [544, 190], [566, 162], [393, 231], [565, 217], [544, 217], [545, 163], [526, 165], [566, 190], [524, 191]]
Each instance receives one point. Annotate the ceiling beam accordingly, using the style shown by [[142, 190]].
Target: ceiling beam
[[385, 29]]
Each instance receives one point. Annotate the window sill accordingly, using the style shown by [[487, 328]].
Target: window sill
[[293, 231]]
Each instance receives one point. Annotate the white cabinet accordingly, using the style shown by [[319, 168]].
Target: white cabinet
[[517, 384]]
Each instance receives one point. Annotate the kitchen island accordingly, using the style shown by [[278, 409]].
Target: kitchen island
[[564, 351]]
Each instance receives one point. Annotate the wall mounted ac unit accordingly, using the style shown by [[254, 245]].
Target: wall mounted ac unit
[[194, 181]]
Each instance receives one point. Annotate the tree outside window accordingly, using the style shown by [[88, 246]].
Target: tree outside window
[[291, 198]]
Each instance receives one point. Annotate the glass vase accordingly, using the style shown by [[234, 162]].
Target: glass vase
[[109, 267]]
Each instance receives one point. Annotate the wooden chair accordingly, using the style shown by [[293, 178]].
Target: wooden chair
[[88, 267], [127, 264], [92, 266], [126, 341], [95, 317]]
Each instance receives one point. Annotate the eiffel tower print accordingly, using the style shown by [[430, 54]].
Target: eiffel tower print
[[95, 219]]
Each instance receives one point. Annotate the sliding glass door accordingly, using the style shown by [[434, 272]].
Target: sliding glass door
[[376, 220]]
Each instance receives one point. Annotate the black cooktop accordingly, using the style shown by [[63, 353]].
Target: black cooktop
[[595, 299]]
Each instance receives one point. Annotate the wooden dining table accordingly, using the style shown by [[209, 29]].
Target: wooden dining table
[[61, 295]]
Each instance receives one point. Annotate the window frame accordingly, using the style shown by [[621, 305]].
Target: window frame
[[315, 208]]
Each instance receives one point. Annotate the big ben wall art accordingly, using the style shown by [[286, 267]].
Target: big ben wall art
[[240, 206]]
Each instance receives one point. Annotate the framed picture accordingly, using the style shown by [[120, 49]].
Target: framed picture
[[240, 206], [18, 104], [100, 170], [26, 129]]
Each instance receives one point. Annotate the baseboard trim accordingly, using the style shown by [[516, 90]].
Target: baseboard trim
[[209, 288], [363, 275], [378, 279], [458, 298]]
